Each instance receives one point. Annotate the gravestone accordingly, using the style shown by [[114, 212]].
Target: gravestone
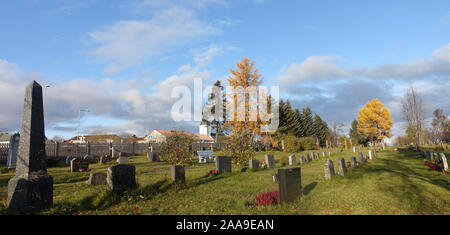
[[323, 154], [374, 152], [121, 177], [329, 169], [301, 159], [361, 159], [153, 157], [97, 178], [354, 149], [90, 158], [311, 155], [444, 161], [289, 184], [12, 151], [270, 161], [31, 188], [123, 158], [69, 159], [177, 173], [353, 162], [341, 167], [223, 164], [370, 154], [292, 160], [436, 156], [360, 154], [77, 165], [104, 159], [253, 164]]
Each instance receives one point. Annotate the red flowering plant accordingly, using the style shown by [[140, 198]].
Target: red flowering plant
[[212, 172], [268, 198], [433, 166]]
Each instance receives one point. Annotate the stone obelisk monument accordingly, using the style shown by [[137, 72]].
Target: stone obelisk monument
[[31, 188]]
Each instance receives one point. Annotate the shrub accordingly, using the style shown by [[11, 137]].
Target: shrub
[[241, 147], [291, 144], [308, 143], [268, 198], [284, 160], [176, 149]]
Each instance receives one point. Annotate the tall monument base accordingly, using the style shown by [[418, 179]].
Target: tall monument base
[[33, 193]]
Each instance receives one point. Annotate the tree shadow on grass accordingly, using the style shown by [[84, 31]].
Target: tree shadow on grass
[[107, 199], [309, 188], [409, 191]]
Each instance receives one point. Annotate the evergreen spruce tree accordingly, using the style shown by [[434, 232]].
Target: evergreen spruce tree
[[320, 129], [307, 128]]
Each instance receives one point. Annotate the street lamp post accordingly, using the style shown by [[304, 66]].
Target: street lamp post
[[79, 122]]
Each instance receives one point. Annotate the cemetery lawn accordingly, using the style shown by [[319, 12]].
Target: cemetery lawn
[[395, 182]]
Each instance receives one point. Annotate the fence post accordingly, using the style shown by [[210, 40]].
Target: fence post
[[56, 149], [88, 148]]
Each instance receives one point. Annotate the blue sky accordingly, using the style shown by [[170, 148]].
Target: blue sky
[[120, 59]]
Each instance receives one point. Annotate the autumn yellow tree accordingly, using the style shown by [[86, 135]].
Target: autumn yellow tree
[[243, 118], [246, 75], [375, 121]]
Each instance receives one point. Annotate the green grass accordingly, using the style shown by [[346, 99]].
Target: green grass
[[392, 183]]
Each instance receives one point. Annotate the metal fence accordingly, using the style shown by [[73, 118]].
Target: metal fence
[[4, 147]]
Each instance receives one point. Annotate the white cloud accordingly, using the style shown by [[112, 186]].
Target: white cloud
[[313, 68], [127, 43], [323, 68], [443, 53]]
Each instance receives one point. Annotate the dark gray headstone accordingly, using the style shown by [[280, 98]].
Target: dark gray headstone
[[353, 162], [329, 169], [121, 177], [253, 164], [104, 159], [89, 158], [177, 173], [292, 160], [360, 154], [341, 167], [361, 159], [31, 188], [270, 161], [97, 178], [223, 164], [77, 165], [152, 157], [69, 159], [12, 151], [289, 184]]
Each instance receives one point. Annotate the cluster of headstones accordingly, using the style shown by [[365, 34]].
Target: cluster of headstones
[[342, 170], [429, 155], [306, 158]]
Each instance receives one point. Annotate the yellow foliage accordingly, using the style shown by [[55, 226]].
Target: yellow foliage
[[246, 75], [375, 121]]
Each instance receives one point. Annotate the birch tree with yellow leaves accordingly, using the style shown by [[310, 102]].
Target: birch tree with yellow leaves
[[375, 121]]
